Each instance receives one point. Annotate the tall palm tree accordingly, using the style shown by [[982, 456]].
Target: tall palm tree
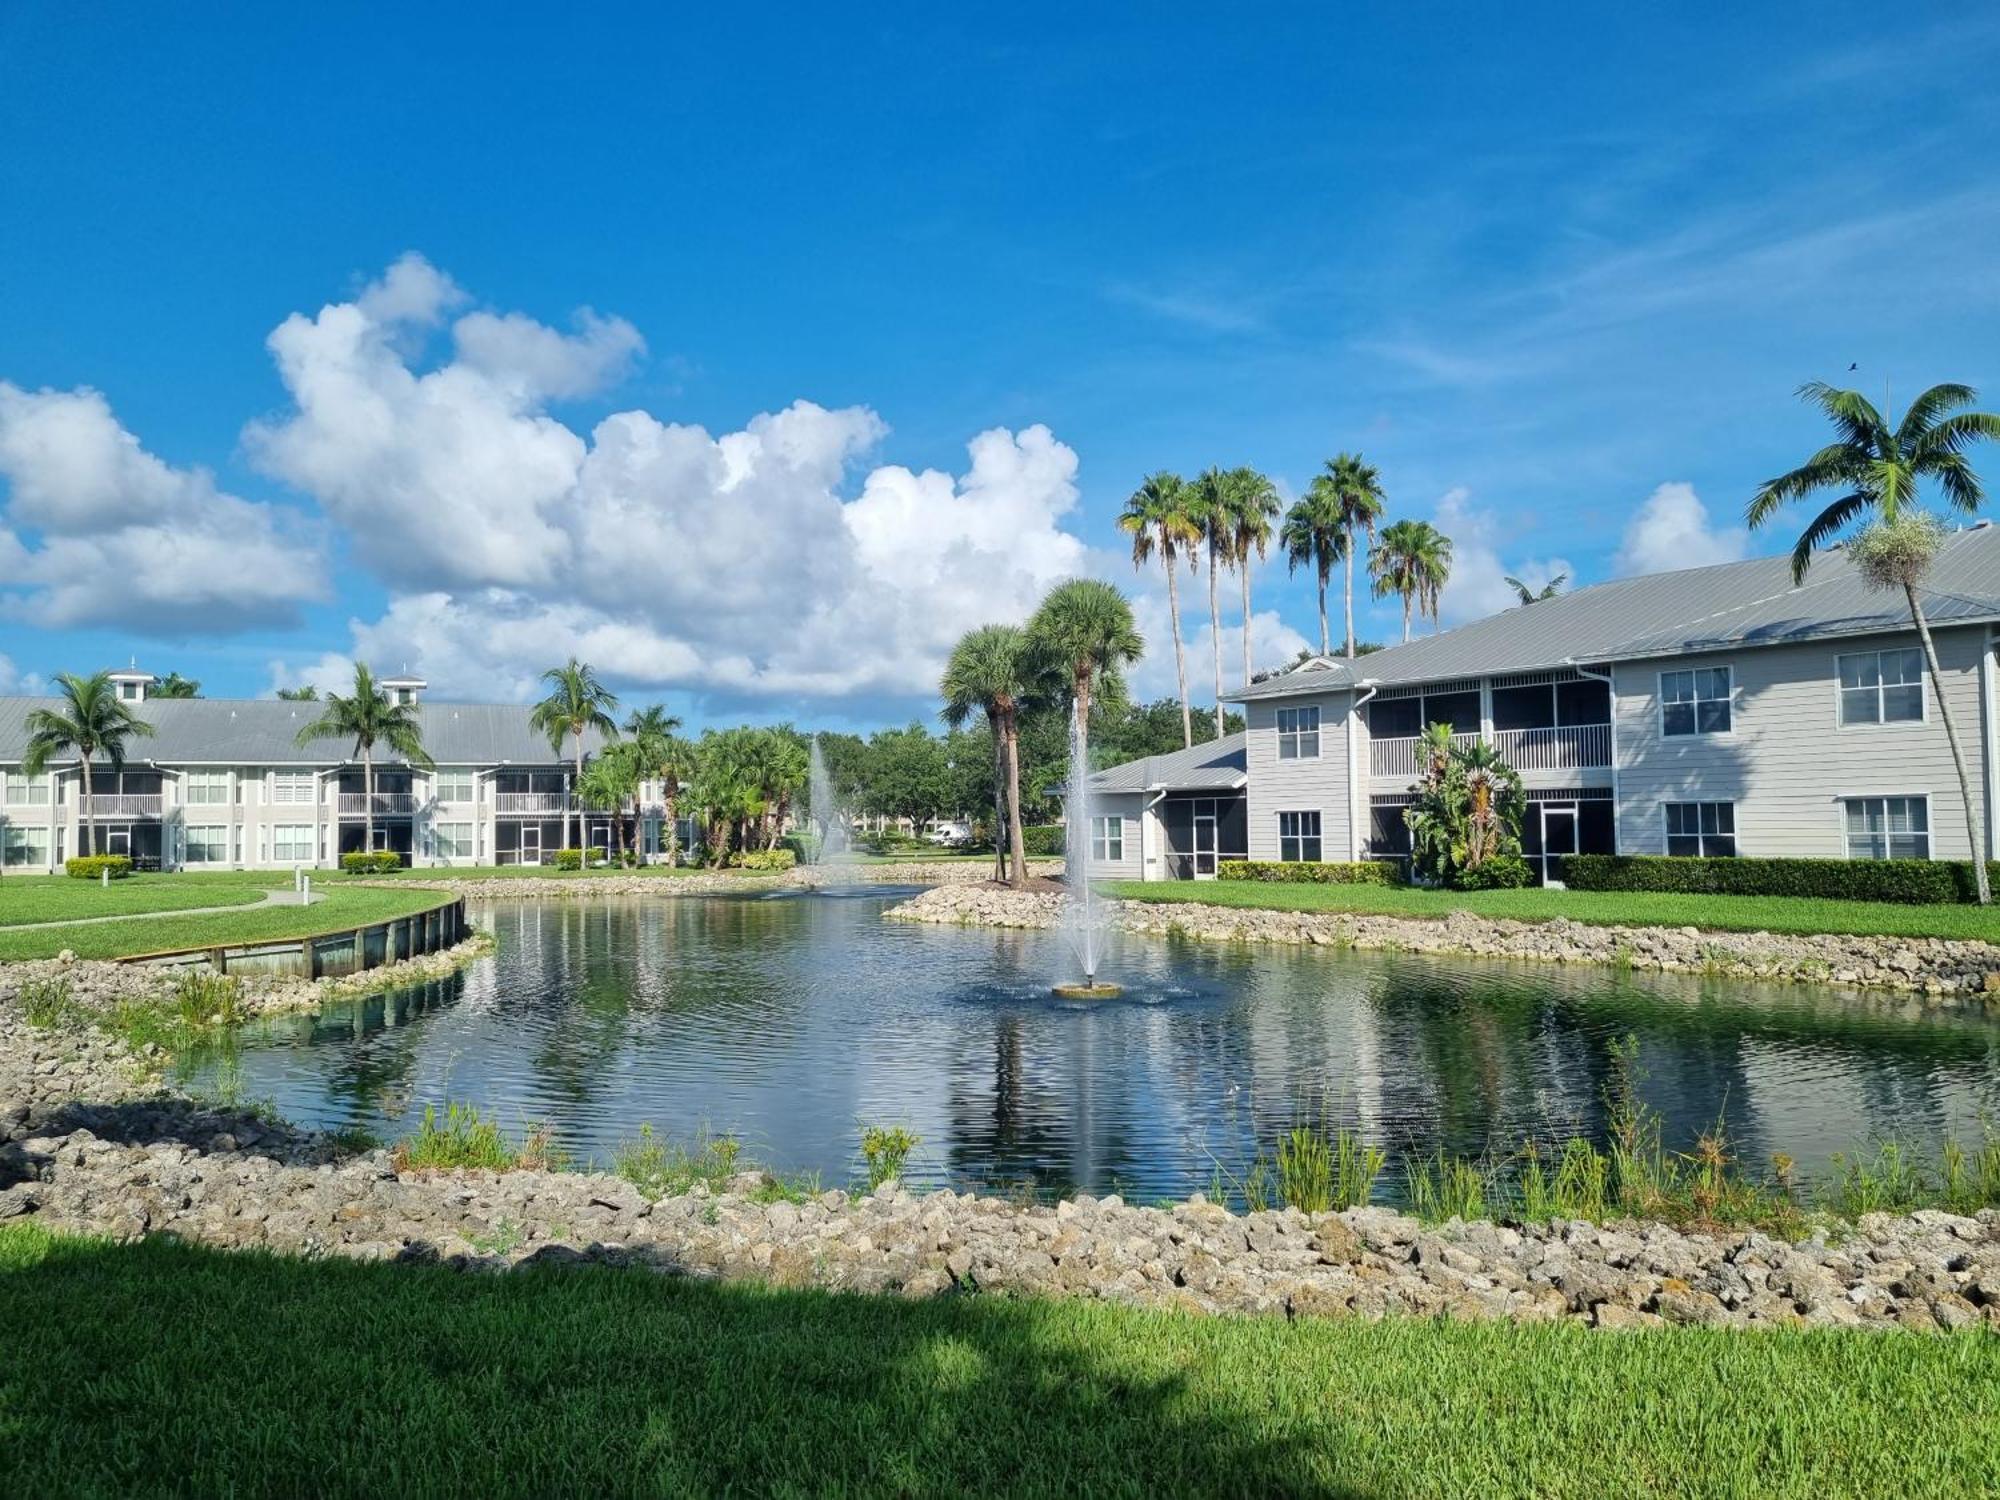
[[1084, 631], [1874, 470], [1353, 491], [1312, 536], [676, 767], [611, 780], [92, 723], [173, 685], [369, 717], [577, 703], [1253, 505], [650, 730], [1159, 519], [992, 670], [1208, 504], [1412, 560], [1529, 595]]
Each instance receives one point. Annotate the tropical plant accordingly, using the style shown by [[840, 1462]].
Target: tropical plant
[[1352, 490], [650, 731], [1874, 472], [610, 781], [577, 703], [1159, 519], [1314, 537], [93, 723], [1084, 631], [1413, 561], [1530, 595], [173, 685], [1253, 505], [369, 717], [992, 670], [1465, 813], [1208, 504], [306, 694]]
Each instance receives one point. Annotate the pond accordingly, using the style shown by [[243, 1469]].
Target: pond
[[790, 1019]]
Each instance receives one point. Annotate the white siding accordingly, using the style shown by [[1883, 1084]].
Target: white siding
[[1301, 785]]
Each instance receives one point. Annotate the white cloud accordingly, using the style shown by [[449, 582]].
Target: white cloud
[[97, 531], [1478, 584], [539, 362], [1672, 530], [1273, 643]]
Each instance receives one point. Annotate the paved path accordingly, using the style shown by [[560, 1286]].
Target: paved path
[[271, 898]]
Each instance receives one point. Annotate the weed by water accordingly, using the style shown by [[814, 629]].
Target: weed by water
[[462, 1137], [1305, 1170], [50, 1003], [200, 1008], [885, 1149], [1446, 1187], [661, 1167]]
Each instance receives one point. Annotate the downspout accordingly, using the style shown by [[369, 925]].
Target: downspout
[[1354, 707], [1145, 812], [1617, 797], [1989, 727]]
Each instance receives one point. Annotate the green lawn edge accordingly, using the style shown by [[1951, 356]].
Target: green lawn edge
[[341, 907], [59, 898]]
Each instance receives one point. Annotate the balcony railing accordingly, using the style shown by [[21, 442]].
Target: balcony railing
[[1569, 747], [122, 805], [527, 804], [387, 804]]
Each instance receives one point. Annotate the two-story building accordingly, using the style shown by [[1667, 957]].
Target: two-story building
[[1714, 711]]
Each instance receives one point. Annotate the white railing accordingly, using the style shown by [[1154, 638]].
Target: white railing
[[387, 804], [531, 802], [1567, 748], [1397, 759], [122, 805]]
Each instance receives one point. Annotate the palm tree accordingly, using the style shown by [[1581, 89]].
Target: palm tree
[[1208, 504], [1873, 471], [92, 722], [306, 694], [1253, 505], [991, 670], [676, 768], [1313, 536], [1412, 560], [1084, 631], [1353, 491], [1159, 519], [369, 717], [173, 685], [651, 730], [577, 703], [610, 781], [1532, 596]]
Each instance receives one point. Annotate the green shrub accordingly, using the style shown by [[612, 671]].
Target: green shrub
[[95, 866], [371, 862], [1910, 882], [885, 1149], [567, 859], [779, 858], [50, 1003], [1357, 872], [1503, 872], [1042, 840], [463, 1137]]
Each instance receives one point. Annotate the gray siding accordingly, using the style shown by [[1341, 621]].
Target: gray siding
[[1301, 785], [1130, 806], [1787, 763]]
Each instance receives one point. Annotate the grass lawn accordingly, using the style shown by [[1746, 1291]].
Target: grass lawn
[[343, 906], [1602, 908], [167, 1369], [58, 898], [520, 872]]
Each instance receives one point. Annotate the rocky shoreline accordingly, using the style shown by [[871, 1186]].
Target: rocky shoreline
[[1942, 971], [710, 882]]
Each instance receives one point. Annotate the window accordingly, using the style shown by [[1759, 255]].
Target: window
[[1298, 837], [454, 840], [1298, 734], [292, 843], [25, 846], [207, 845], [28, 791], [206, 788], [1888, 828], [1695, 702], [1107, 840], [1881, 687], [292, 788], [1706, 829], [455, 786]]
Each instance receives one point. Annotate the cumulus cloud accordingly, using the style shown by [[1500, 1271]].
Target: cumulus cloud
[[97, 531], [1273, 643], [1478, 585], [1672, 530]]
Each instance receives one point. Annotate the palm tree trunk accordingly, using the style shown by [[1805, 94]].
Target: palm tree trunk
[[1243, 571], [89, 809], [1016, 841], [1180, 652], [368, 797], [1406, 618], [1214, 640], [1350, 597], [1325, 641], [576, 786], [1979, 881], [671, 834], [999, 792]]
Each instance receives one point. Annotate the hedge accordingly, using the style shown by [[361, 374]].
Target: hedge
[[92, 866], [1910, 882], [1042, 840], [779, 858], [1359, 872], [363, 862]]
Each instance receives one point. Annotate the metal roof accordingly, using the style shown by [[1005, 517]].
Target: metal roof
[[1217, 765], [264, 732], [1729, 606]]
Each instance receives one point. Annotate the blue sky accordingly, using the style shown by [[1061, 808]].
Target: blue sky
[[1534, 268]]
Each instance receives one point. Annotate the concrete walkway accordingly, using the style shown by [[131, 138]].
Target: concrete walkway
[[271, 898]]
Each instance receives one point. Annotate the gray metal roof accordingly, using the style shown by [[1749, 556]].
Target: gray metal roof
[[1726, 607], [1214, 766], [264, 732]]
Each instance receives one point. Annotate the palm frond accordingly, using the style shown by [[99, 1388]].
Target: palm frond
[[1851, 412], [1924, 412], [1827, 524]]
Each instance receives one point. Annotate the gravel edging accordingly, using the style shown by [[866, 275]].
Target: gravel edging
[[1946, 972]]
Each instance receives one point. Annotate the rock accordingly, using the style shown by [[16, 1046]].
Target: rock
[[1338, 1245]]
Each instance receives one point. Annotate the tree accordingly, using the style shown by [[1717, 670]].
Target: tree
[[173, 685], [1158, 516], [1253, 505], [611, 780], [369, 717], [1413, 561], [306, 694], [1548, 590], [992, 670], [1874, 471], [675, 767], [1313, 536], [92, 723], [1465, 814], [1084, 632], [1352, 490], [1208, 503], [650, 732], [577, 703]]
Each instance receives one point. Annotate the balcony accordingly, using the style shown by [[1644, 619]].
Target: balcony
[[1570, 747], [122, 805], [1397, 759], [386, 804], [531, 804]]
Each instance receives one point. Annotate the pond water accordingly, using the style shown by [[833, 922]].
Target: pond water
[[787, 1020]]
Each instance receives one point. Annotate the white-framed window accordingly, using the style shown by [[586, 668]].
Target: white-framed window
[[1298, 733], [1695, 701], [24, 790], [456, 786], [24, 845], [292, 843], [205, 788], [292, 788], [1701, 829], [207, 844], [1298, 837], [1107, 840], [1881, 687], [1888, 827], [454, 840]]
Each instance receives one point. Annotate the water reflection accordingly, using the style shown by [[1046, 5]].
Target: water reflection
[[790, 1020]]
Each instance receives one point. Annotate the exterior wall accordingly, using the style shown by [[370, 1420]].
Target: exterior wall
[[1321, 785], [1131, 807], [1786, 762]]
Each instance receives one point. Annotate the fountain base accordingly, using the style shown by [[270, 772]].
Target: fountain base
[[1087, 991]]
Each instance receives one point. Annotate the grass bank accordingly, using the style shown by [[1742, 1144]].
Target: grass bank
[[58, 898], [165, 1368], [524, 872], [343, 906], [1791, 914]]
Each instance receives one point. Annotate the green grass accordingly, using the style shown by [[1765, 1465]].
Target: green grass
[[518, 872], [343, 906], [166, 1369], [463, 1137], [1599, 908], [58, 898]]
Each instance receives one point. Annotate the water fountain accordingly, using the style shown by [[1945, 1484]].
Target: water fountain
[[1082, 923], [831, 849]]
